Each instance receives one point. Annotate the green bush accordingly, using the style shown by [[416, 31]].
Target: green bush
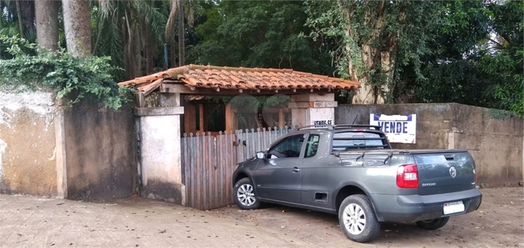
[[31, 68]]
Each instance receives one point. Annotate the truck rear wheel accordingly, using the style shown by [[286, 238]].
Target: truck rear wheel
[[357, 219], [433, 224]]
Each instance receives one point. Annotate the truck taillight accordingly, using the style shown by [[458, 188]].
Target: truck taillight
[[407, 176]]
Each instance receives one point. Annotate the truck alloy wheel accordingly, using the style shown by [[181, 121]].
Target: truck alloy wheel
[[357, 219], [244, 194]]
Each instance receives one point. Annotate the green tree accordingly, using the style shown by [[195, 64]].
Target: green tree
[[448, 71], [77, 27], [504, 60], [16, 19], [427, 51], [258, 34], [46, 16], [476, 58], [132, 33], [374, 38]]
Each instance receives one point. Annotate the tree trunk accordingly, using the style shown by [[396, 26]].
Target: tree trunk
[[77, 26], [132, 48], [46, 12], [27, 9], [19, 16], [181, 34], [168, 35], [374, 58], [149, 49]]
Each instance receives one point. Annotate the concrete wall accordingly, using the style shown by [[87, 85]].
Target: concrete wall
[[496, 142], [160, 163], [100, 152], [27, 143]]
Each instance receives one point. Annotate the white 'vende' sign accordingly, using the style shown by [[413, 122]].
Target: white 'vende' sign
[[398, 128]]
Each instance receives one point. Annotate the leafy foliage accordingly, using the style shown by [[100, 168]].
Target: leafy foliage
[[471, 60], [131, 32], [72, 78], [505, 64], [258, 34], [442, 51], [452, 51]]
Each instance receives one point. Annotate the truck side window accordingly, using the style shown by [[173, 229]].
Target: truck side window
[[312, 145], [345, 141], [287, 148]]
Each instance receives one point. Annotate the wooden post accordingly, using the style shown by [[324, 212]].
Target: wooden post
[[231, 120], [189, 118], [281, 118], [201, 117]]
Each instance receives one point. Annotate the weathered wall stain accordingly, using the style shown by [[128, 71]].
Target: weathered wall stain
[[3, 145], [496, 144], [156, 189], [27, 143], [100, 147]]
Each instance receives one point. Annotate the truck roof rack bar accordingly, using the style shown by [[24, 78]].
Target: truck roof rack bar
[[340, 126], [357, 126], [316, 127]]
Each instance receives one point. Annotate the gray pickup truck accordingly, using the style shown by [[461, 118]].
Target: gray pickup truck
[[352, 171]]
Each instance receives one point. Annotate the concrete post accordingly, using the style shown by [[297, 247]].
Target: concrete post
[[161, 165], [313, 109], [60, 154]]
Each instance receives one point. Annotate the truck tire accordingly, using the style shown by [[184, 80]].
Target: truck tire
[[433, 224], [244, 194], [357, 219]]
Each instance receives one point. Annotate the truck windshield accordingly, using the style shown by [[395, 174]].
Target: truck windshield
[[344, 141]]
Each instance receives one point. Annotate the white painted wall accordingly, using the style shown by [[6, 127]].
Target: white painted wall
[[160, 148], [40, 103]]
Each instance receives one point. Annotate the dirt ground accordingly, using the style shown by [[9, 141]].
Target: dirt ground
[[136, 222]]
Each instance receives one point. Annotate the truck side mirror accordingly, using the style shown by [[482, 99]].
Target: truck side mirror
[[261, 155]]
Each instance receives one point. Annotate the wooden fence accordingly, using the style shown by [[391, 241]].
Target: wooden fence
[[209, 160]]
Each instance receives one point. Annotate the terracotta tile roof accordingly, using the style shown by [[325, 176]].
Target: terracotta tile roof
[[216, 77]]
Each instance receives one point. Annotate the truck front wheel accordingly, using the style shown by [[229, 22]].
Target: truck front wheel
[[244, 194], [357, 219]]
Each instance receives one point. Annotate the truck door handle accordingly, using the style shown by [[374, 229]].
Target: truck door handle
[[296, 169]]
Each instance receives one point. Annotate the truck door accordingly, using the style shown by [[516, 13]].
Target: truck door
[[278, 176]]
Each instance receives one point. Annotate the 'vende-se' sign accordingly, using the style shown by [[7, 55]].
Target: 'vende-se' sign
[[398, 128]]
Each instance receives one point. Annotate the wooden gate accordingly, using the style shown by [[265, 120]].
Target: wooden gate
[[208, 162]]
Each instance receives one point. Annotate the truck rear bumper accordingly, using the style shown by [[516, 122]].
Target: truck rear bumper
[[413, 208]]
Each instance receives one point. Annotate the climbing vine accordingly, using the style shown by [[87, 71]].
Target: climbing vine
[[30, 67]]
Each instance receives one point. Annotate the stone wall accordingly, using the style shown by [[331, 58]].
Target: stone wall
[[494, 139], [27, 143]]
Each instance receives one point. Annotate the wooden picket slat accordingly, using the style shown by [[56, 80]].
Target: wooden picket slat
[[209, 161]]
